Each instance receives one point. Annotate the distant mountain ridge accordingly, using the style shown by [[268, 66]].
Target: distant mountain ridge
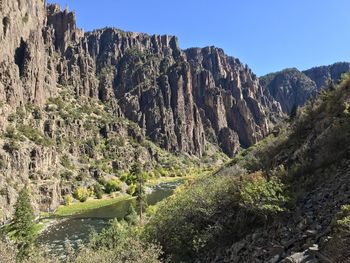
[[291, 87]]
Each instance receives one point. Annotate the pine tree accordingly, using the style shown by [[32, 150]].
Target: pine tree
[[22, 225], [137, 174], [131, 216]]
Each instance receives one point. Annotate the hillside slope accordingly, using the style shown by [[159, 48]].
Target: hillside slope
[[283, 200]]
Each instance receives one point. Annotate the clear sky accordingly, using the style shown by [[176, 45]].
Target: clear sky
[[268, 35]]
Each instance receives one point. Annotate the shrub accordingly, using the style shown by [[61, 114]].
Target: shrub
[[131, 189], [265, 195], [342, 220], [211, 210], [181, 224], [131, 217], [68, 199], [25, 18], [67, 163], [12, 117], [81, 193], [12, 133], [35, 136], [66, 175], [120, 242], [11, 146], [98, 191], [113, 185]]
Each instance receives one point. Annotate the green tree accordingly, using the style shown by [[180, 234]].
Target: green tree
[[98, 191], [131, 216], [137, 174], [22, 225]]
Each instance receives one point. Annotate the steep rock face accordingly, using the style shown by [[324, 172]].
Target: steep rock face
[[291, 87], [26, 69], [181, 98], [230, 97], [320, 75], [77, 107]]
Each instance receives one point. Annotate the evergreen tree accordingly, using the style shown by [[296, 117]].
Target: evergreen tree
[[131, 216], [137, 174], [22, 225]]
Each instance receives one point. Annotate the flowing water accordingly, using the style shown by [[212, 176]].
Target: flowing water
[[77, 229]]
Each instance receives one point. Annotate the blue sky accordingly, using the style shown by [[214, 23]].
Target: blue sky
[[268, 35]]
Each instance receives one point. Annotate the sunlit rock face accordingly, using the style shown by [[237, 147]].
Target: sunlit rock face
[[179, 99]]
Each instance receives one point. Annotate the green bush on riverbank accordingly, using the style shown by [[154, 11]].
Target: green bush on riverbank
[[212, 210]]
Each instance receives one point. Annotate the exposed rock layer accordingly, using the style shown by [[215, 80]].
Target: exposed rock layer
[[292, 88], [179, 99]]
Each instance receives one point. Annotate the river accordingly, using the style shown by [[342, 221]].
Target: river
[[77, 229]]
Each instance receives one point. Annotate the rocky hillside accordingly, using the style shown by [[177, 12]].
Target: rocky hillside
[[320, 75], [77, 107], [286, 199], [292, 88]]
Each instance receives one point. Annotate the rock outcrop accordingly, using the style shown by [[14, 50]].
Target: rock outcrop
[[321, 75], [77, 107], [178, 97], [292, 88]]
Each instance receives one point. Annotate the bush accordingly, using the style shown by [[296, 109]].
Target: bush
[[262, 194], [12, 133], [120, 242], [66, 175], [131, 189], [183, 224], [113, 185], [342, 220], [68, 199], [67, 163], [212, 210], [98, 191], [35, 136], [11, 146], [81, 193]]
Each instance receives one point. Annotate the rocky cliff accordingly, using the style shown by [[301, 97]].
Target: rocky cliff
[[292, 88], [77, 107]]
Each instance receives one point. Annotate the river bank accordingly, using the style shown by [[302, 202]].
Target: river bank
[[76, 222]]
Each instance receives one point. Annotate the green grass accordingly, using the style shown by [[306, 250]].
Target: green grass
[[37, 229], [77, 208], [41, 225]]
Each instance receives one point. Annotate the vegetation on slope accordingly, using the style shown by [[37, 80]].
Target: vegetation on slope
[[261, 185], [214, 210]]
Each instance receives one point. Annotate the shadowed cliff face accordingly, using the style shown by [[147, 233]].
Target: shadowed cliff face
[[291, 87], [181, 98], [70, 101]]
